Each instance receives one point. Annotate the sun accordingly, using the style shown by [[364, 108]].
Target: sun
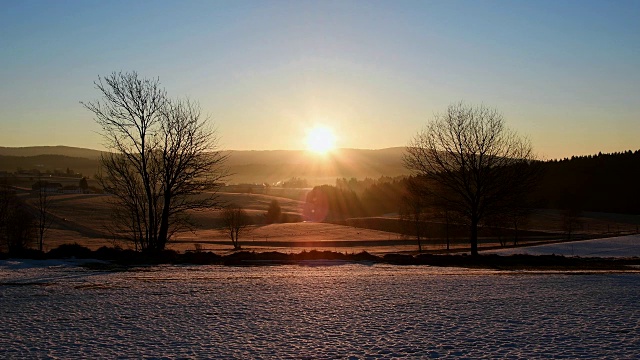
[[320, 140]]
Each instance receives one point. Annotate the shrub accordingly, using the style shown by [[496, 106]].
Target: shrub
[[70, 250]]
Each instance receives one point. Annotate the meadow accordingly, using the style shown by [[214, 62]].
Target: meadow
[[86, 219]]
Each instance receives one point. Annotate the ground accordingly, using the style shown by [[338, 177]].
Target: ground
[[53, 309], [85, 219], [619, 246]]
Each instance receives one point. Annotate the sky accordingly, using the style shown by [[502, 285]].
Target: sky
[[563, 73]]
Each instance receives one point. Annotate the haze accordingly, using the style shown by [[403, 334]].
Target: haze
[[563, 73]]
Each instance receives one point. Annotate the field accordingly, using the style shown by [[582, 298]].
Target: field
[[58, 310], [620, 246], [86, 219]]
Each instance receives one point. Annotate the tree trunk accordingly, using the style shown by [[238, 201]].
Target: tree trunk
[[164, 223], [418, 235], [474, 237], [446, 229], [236, 244], [43, 207]]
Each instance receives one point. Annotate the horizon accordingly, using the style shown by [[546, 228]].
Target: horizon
[[336, 150], [562, 74]]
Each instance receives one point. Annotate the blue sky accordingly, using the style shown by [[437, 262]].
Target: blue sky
[[564, 73]]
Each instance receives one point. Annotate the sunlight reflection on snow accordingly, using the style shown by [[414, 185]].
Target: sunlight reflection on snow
[[381, 311]]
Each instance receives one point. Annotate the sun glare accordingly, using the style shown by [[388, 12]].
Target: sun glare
[[320, 140]]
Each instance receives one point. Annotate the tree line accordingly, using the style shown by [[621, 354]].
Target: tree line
[[603, 182], [600, 182]]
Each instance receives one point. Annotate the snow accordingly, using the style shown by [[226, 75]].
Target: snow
[[14, 264], [621, 246], [339, 311]]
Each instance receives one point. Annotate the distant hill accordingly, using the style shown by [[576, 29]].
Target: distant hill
[[50, 150], [246, 166], [50, 163], [280, 165]]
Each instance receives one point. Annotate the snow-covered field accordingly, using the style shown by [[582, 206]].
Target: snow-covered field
[[621, 246], [58, 310]]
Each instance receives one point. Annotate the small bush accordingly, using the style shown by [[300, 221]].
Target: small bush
[[399, 259], [70, 250], [201, 258], [364, 256], [108, 253]]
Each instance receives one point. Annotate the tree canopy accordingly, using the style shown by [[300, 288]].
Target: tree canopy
[[479, 165], [163, 158]]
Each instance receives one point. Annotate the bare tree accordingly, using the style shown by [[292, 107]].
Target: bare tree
[[519, 217], [7, 203], [43, 219], [481, 165], [236, 220], [444, 214], [413, 211], [498, 224], [571, 222], [163, 160], [16, 222], [20, 228]]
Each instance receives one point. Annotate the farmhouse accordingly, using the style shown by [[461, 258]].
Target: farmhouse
[[245, 188], [47, 187]]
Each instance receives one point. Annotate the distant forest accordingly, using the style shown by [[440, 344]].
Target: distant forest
[[599, 183], [602, 182]]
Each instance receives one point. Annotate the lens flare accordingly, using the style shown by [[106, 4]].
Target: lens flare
[[320, 140]]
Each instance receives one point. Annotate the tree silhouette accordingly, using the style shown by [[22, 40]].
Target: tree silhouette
[[413, 215], [481, 165], [43, 218], [236, 220], [17, 222], [163, 158], [83, 184], [274, 212]]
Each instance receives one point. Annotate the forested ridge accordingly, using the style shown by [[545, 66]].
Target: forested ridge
[[599, 183], [602, 182]]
